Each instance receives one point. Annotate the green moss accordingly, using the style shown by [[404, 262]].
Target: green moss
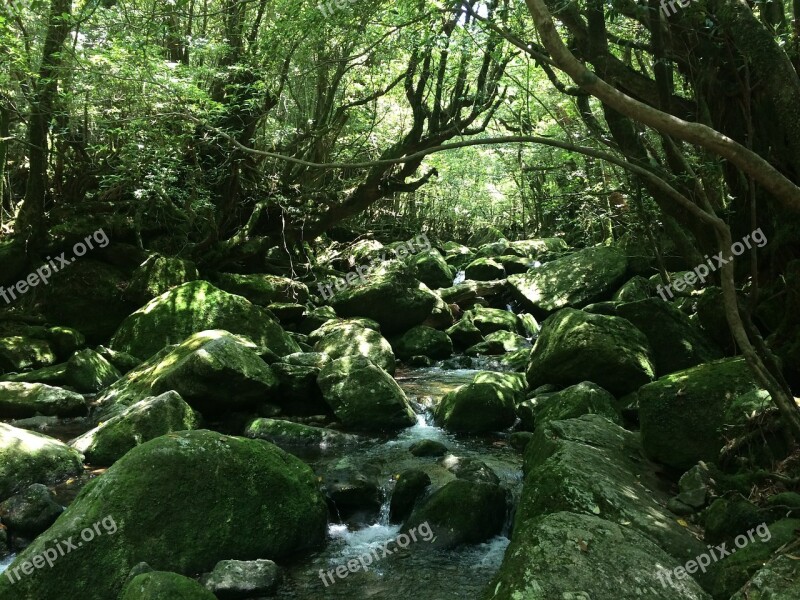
[[162, 585]]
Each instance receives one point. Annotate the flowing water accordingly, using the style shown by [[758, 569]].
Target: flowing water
[[415, 571]]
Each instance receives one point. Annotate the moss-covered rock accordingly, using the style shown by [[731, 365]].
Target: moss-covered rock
[[396, 301], [749, 555], [139, 423], [779, 579], [584, 398], [575, 346], [431, 269], [489, 320], [594, 467], [486, 404], [163, 585], [464, 334], [87, 371], [511, 342], [263, 289], [423, 341], [636, 288], [574, 280], [568, 555], [461, 512], [27, 457], [20, 400], [65, 341], [537, 248], [352, 339], [289, 435], [677, 344], [410, 486], [298, 393], [198, 306], [159, 274], [18, 353], [198, 491], [364, 396], [681, 414], [213, 371], [485, 269], [31, 511]]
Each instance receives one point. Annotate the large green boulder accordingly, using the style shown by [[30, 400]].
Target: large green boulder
[[592, 466], [290, 435], [574, 280], [87, 371], [214, 371], [461, 512], [19, 400], [364, 396], [489, 320], [423, 341], [575, 346], [681, 414], [779, 579], [263, 289], [485, 404], [636, 288], [298, 393], [27, 457], [577, 556], [537, 248], [396, 301], [181, 502], [585, 398], [431, 269], [163, 585], [485, 269], [677, 344], [353, 339], [139, 423], [197, 306], [18, 352], [159, 274]]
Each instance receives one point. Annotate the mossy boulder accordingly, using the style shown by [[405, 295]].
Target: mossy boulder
[[511, 342], [18, 353], [159, 274], [584, 398], [352, 339], [298, 393], [574, 280], [214, 371], [748, 556], [87, 371], [461, 512], [575, 346], [423, 341], [486, 404], [264, 289], [489, 320], [485, 269], [431, 269], [592, 466], [409, 487], [198, 491], [578, 556], [464, 334], [242, 579], [537, 248], [198, 306], [163, 585], [636, 288], [31, 511], [677, 344], [139, 423], [681, 414], [27, 457], [287, 434], [20, 400], [364, 396], [779, 579], [397, 302]]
